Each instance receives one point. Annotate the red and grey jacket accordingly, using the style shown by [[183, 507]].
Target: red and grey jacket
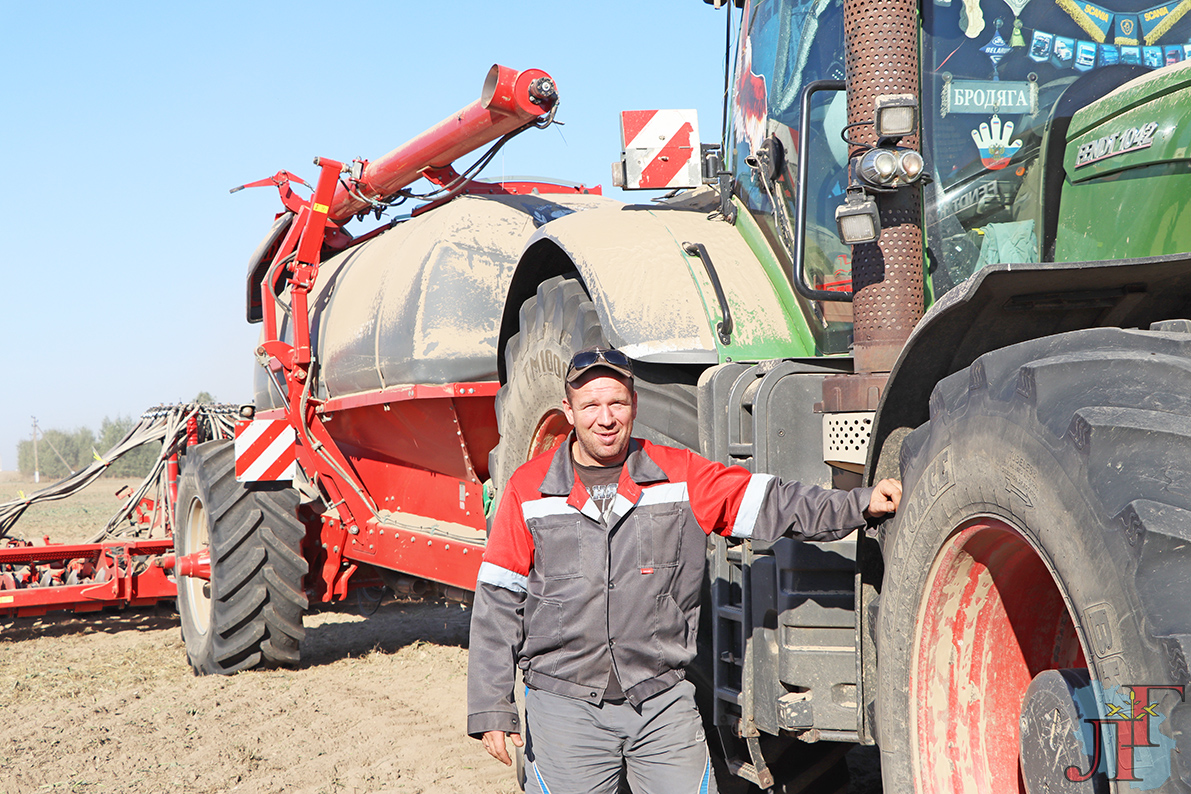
[[562, 595]]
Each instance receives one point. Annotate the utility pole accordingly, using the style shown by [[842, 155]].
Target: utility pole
[[36, 468]]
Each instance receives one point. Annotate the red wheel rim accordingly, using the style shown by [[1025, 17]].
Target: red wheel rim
[[550, 432], [992, 619]]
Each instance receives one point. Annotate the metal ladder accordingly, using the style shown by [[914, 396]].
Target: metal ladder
[[731, 671]]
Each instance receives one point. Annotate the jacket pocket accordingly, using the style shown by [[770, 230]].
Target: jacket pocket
[[660, 531], [545, 623], [672, 634], [558, 548]]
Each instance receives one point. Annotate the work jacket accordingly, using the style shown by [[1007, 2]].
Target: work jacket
[[562, 594]]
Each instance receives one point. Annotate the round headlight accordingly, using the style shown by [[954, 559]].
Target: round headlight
[[878, 166], [911, 164]]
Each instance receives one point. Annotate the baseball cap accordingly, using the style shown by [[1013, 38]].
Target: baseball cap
[[596, 356]]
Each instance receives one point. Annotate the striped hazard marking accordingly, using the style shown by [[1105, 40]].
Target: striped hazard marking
[[265, 451], [661, 148]]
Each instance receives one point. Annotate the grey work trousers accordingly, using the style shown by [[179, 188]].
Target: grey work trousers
[[574, 747]]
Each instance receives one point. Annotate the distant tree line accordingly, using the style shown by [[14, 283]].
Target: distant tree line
[[60, 452]]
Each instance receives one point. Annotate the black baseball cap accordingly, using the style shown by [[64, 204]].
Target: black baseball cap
[[597, 356]]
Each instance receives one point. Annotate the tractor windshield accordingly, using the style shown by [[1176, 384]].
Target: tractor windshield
[[997, 74], [1000, 81]]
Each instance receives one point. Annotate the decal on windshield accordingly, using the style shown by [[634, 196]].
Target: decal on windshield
[[993, 141], [989, 96], [752, 103]]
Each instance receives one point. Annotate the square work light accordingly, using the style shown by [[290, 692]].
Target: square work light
[[896, 115], [858, 219]]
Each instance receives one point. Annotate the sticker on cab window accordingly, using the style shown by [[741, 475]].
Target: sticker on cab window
[[993, 140]]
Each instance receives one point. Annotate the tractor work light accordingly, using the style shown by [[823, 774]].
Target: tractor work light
[[858, 219], [889, 168], [896, 115], [911, 165], [879, 167]]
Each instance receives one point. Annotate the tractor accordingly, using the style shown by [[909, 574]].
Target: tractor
[[943, 241]]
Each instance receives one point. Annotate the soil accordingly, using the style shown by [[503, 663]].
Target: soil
[[107, 703]]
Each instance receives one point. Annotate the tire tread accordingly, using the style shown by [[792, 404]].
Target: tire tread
[[258, 570], [1113, 408]]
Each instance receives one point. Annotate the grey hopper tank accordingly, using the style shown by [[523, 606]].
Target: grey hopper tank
[[421, 303]]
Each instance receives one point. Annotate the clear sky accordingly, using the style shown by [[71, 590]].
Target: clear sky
[[125, 124]]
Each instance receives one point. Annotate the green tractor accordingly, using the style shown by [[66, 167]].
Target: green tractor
[[945, 242]]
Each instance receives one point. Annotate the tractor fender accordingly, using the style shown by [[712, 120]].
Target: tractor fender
[[1005, 304], [654, 301]]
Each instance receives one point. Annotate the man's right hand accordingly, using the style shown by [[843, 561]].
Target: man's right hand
[[494, 743], [886, 497]]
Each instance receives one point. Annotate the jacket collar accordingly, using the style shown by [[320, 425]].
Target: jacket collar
[[639, 469]]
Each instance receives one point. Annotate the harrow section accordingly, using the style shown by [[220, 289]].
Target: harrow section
[[130, 561], [84, 577]]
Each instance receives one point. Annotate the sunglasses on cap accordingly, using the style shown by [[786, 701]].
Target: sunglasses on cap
[[585, 359]]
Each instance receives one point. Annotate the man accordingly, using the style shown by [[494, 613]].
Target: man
[[590, 584]]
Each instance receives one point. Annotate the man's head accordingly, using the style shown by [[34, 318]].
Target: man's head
[[601, 404]]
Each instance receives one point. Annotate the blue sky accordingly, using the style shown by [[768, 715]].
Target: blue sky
[[125, 125]]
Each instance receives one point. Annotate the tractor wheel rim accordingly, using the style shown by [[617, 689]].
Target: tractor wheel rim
[[197, 591], [552, 429], [992, 618]]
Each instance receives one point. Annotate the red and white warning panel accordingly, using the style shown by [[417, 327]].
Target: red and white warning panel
[[661, 150], [265, 451]]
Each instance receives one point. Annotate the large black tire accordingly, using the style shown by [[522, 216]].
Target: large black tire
[[250, 613], [1046, 525], [555, 323]]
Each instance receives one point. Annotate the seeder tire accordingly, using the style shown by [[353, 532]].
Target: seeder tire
[[1044, 527], [250, 613], [555, 323]]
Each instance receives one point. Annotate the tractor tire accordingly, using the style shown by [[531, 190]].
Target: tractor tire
[[249, 614], [555, 323], [1044, 536]]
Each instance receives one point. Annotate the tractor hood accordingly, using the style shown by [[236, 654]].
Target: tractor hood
[[1128, 156], [1145, 122]]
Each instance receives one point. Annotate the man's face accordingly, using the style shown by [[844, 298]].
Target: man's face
[[602, 408]]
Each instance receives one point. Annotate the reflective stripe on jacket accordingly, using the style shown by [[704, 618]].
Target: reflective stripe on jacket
[[560, 594]]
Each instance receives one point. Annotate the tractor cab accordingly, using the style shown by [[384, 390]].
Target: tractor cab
[[1000, 81]]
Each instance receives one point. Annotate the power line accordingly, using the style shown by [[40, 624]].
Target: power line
[[46, 438]]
